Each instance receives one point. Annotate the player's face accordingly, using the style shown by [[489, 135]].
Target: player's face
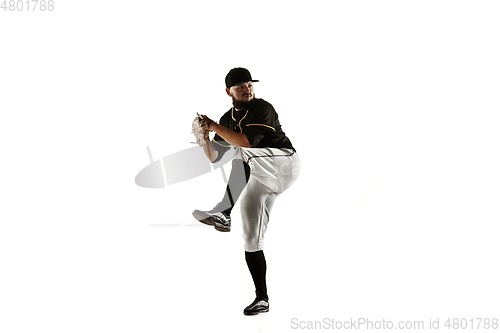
[[242, 92]]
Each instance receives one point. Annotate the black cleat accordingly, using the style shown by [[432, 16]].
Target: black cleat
[[219, 220], [260, 305]]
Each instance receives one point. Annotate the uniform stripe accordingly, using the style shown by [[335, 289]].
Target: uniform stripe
[[241, 129], [262, 125], [232, 109], [273, 156]]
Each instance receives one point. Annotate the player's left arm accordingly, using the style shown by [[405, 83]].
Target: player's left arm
[[234, 138]]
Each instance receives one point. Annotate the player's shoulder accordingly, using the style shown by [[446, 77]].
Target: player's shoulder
[[261, 104]]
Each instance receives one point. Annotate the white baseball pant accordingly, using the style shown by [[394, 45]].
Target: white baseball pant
[[272, 171]]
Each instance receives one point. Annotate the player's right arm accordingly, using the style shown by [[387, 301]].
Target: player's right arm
[[211, 151]]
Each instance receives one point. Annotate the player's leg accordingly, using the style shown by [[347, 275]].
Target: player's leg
[[273, 173], [220, 215], [238, 179], [256, 206], [275, 168], [256, 262]]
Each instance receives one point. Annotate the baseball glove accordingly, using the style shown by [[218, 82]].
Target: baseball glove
[[200, 130]]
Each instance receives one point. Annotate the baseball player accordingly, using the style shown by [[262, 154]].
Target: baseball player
[[265, 165]]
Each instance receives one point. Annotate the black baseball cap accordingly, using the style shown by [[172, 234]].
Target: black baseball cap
[[238, 75]]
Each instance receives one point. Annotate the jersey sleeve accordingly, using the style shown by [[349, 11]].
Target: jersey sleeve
[[261, 125]]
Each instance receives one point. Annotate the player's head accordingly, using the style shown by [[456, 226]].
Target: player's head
[[239, 85]]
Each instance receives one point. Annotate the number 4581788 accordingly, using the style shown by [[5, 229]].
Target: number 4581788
[[27, 5]]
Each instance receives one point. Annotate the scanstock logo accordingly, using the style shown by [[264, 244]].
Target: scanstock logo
[[179, 167]]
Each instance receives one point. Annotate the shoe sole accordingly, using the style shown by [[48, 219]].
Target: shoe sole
[[209, 221], [255, 313]]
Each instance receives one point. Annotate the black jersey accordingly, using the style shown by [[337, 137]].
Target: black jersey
[[260, 123]]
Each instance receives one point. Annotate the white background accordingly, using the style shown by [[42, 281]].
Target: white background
[[392, 106]]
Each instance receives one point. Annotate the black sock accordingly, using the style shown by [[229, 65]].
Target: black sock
[[238, 179], [256, 263]]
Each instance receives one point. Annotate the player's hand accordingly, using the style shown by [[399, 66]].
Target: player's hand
[[207, 120]]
